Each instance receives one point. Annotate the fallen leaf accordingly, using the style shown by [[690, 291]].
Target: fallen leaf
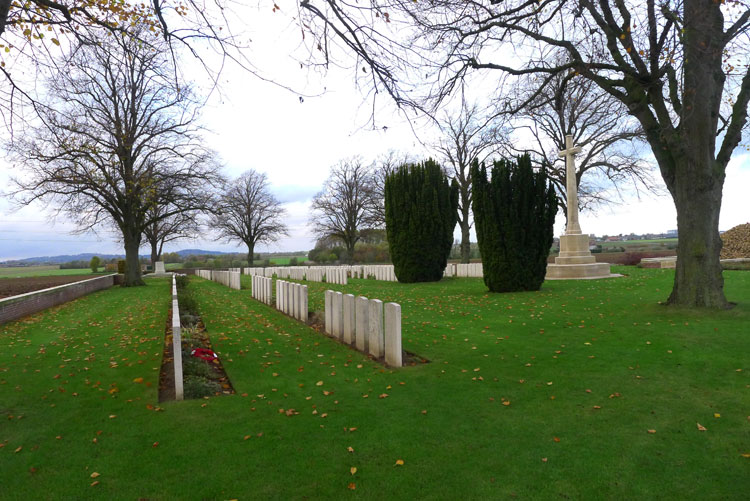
[[652, 431], [597, 407], [399, 462], [138, 380], [506, 402], [19, 449], [350, 449], [352, 486], [94, 475], [717, 415], [319, 383], [544, 460], [95, 482], [353, 470], [112, 416], [701, 427], [556, 439], [155, 444], [383, 395]]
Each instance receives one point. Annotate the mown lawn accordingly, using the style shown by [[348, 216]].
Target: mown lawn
[[535, 395]]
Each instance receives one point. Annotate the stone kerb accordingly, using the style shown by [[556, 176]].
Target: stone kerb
[[177, 346]]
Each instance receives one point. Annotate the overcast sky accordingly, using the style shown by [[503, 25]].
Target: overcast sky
[[256, 125]]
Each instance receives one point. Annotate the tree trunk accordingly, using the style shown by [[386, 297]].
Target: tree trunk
[[132, 264], [698, 280], [465, 237], [154, 253], [250, 253], [698, 180]]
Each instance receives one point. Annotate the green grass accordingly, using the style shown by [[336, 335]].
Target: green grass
[[282, 260], [671, 369], [42, 271]]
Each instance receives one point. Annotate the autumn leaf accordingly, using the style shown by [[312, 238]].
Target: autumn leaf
[[399, 462], [383, 395], [717, 415], [350, 449], [138, 380], [556, 439], [353, 470], [94, 475], [19, 449], [352, 486], [652, 431], [319, 383], [701, 427], [94, 483]]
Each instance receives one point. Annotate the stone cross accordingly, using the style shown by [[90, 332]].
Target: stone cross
[[572, 228]]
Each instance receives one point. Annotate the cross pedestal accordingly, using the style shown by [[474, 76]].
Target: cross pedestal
[[575, 260]]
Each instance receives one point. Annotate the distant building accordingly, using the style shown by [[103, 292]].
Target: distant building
[[672, 234]]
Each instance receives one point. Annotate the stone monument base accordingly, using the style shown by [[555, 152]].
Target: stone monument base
[[576, 262]]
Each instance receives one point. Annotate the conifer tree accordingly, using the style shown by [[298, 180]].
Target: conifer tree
[[420, 215], [514, 213]]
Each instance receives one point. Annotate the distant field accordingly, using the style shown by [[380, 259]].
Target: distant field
[[283, 260], [172, 266], [41, 271], [645, 244]]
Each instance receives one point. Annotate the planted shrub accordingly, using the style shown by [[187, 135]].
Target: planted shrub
[[199, 387], [514, 214], [420, 215], [181, 281]]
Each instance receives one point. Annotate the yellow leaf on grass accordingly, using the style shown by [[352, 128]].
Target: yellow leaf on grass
[[138, 380], [94, 475], [506, 402], [350, 449], [94, 483], [701, 427], [353, 470], [399, 462], [717, 415], [652, 431], [319, 383]]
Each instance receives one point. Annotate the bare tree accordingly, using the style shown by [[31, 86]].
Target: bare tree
[[35, 33], [345, 205], [249, 213], [612, 141], [161, 230], [467, 136], [680, 67], [117, 137]]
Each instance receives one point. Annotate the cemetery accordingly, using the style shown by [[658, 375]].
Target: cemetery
[[393, 360], [580, 377]]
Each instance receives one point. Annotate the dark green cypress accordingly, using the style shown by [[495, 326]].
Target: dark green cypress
[[420, 215], [514, 215]]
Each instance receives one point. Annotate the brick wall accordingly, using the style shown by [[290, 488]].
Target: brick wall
[[15, 307]]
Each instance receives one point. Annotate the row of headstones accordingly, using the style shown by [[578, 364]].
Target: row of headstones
[[231, 279], [176, 343], [474, 270], [360, 322], [291, 298], [383, 272], [329, 274], [262, 289]]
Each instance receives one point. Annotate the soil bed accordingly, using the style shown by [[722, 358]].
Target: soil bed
[[15, 286], [166, 375]]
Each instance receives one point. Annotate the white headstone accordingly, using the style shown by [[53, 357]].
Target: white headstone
[[349, 312], [159, 267], [329, 311], [393, 335], [362, 323], [375, 328], [337, 315]]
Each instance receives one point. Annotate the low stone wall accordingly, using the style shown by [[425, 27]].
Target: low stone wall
[[13, 308], [367, 324]]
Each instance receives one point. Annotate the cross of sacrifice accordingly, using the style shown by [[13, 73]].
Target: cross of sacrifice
[[572, 228]]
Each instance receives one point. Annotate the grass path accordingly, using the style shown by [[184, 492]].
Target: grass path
[[554, 356]]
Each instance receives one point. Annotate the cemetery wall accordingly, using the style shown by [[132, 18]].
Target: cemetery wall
[[15, 307]]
